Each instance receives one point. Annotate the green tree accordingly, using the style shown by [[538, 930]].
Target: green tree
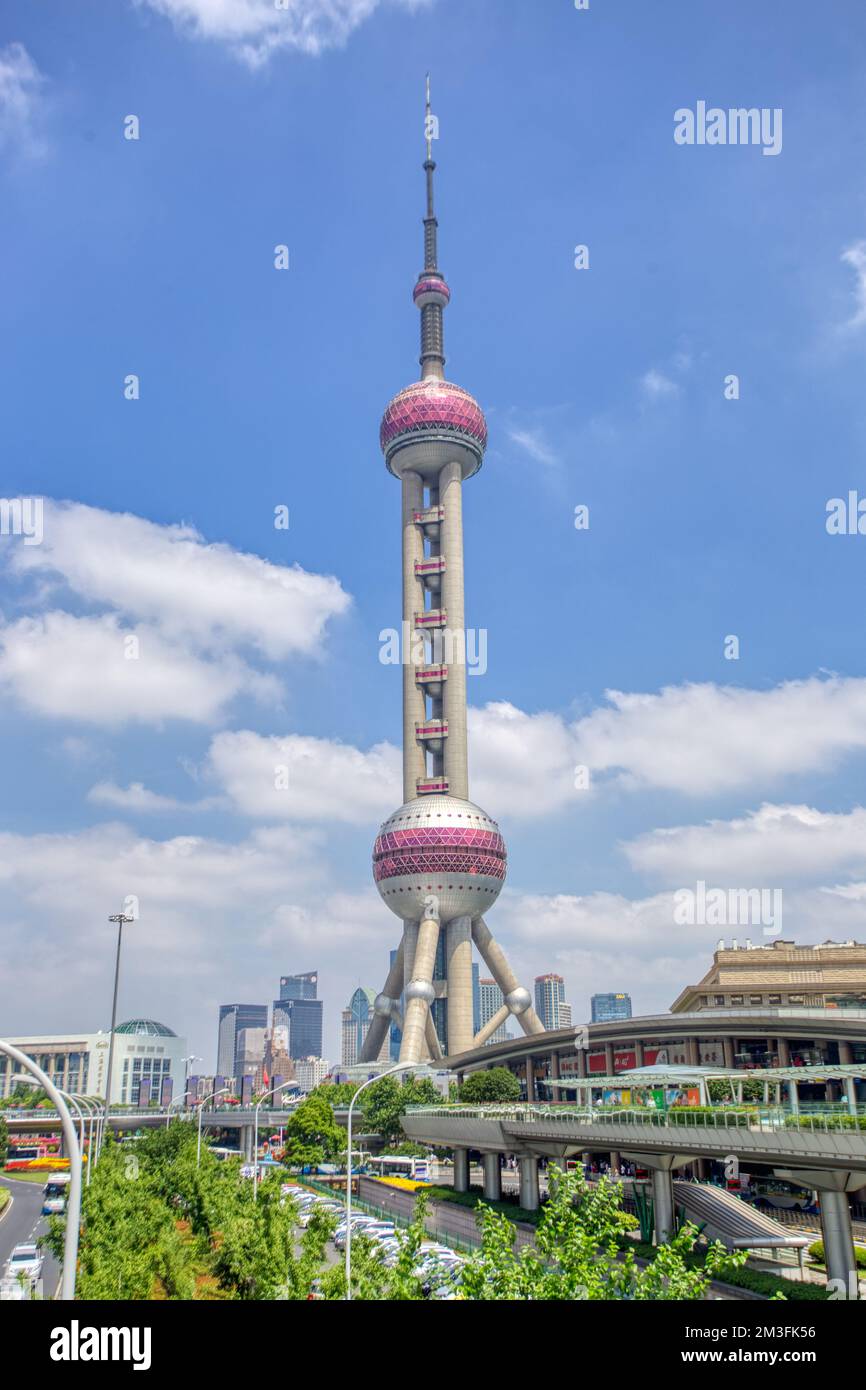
[[312, 1130], [577, 1253], [385, 1104], [4, 1141], [483, 1087]]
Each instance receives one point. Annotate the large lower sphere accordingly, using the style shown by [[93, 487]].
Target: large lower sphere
[[442, 847]]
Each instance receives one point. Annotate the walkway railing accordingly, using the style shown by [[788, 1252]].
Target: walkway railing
[[688, 1117]]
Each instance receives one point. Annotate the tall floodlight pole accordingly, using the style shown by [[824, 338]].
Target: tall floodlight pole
[[73, 1205], [392, 1071], [121, 918], [439, 861]]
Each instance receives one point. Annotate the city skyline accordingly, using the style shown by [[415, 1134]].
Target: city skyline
[[260, 389]]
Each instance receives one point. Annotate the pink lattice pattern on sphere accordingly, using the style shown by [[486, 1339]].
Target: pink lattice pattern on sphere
[[433, 405], [435, 850]]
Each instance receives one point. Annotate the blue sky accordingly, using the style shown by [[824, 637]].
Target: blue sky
[[602, 387]]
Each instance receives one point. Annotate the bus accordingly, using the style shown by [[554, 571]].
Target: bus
[[55, 1193], [400, 1166]]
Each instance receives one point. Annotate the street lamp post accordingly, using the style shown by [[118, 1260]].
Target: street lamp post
[[259, 1104], [77, 1100], [392, 1071], [179, 1100], [213, 1095], [73, 1205], [121, 918]]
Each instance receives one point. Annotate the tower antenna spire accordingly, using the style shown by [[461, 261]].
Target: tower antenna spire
[[428, 124]]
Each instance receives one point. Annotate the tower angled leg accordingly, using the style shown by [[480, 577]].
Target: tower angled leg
[[419, 991], [384, 1007], [518, 999]]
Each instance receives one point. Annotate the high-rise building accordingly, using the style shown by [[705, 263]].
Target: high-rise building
[[549, 998], [607, 1007], [234, 1018], [490, 1004], [356, 1022], [439, 861], [300, 986], [277, 1061], [251, 1055], [302, 1018], [310, 1072], [565, 1015]]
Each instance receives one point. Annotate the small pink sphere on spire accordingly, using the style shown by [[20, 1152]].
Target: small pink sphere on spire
[[431, 289]]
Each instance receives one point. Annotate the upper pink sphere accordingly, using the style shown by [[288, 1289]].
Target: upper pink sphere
[[437, 407], [431, 289]]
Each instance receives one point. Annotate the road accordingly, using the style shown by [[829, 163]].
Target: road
[[24, 1221]]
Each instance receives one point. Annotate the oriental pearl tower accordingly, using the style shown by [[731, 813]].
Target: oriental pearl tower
[[439, 861]]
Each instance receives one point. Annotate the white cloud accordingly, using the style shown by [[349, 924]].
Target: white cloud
[[208, 594], [217, 920], [656, 385], [773, 843], [523, 761], [708, 738], [534, 443], [855, 256], [306, 779], [21, 89], [138, 798], [255, 29], [65, 667]]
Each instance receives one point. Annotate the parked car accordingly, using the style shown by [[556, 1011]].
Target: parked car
[[25, 1263]]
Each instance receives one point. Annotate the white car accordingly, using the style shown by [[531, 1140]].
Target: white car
[[25, 1263]]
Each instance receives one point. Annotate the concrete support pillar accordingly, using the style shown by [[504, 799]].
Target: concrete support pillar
[[530, 1079], [702, 1169], [851, 1093], [663, 1205], [246, 1143], [793, 1097], [556, 1093], [458, 970], [728, 1045], [492, 1177], [419, 992], [608, 1059], [638, 1053], [784, 1052], [581, 1063], [451, 542], [839, 1242], [846, 1054], [615, 1162], [461, 1170], [529, 1198], [693, 1052], [414, 703]]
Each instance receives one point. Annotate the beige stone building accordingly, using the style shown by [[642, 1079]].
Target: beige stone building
[[780, 974]]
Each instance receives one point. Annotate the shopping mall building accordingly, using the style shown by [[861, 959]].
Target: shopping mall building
[[779, 1005]]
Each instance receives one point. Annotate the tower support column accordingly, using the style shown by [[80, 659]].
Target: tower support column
[[454, 655], [458, 961], [414, 704]]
